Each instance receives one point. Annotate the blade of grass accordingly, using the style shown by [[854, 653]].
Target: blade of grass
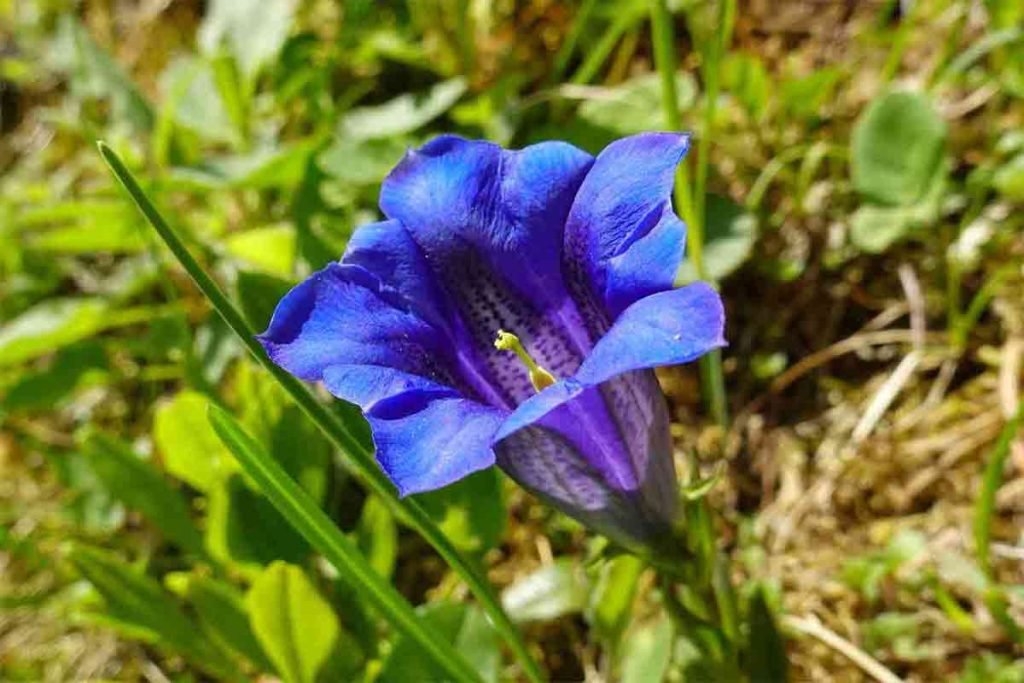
[[984, 510], [691, 201], [309, 520], [360, 454], [985, 507], [596, 58]]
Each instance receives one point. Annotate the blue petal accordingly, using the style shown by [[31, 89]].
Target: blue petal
[[668, 328], [339, 316], [622, 236], [424, 442], [490, 223], [388, 251]]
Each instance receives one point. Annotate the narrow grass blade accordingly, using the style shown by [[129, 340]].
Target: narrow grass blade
[[314, 524], [985, 506], [360, 453]]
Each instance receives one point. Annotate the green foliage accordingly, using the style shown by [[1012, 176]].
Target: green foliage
[[141, 487], [189, 448], [291, 620], [49, 326], [138, 605]]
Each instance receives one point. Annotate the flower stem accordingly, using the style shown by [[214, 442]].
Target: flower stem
[[691, 200]]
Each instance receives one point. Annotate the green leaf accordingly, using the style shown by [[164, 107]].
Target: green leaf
[[141, 487], [547, 593], [377, 536], [190, 448], [806, 96], [362, 162], [50, 325], [635, 105], [243, 528], [223, 615], [471, 512], [91, 505], [646, 652], [766, 658], [258, 295], [897, 149], [292, 621], [1009, 179], [253, 30], [745, 77], [190, 92], [349, 435], [729, 238], [72, 368], [261, 169], [89, 237], [465, 627], [611, 601], [270, 249], [296, 505], [134, 599], [404, 114], [875, 228]]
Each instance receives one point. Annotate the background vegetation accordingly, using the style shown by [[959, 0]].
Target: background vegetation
[[863, 219]]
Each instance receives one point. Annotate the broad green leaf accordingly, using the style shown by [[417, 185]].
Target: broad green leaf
[[243, 528], [265, 168], [875, 228], [806, 96], [1009, 179], [465, 627], [746, 79], [611, 601], [188, 445], [646, 652], [471, 512], [141, 487], [50, 325], [294, 624], [223, 614], [190, 91], [72, 367], [897, 149], [547, 593], [729, 237], [766, 649], [635, 105], [404, 114], [134, 599], [253, 30], [118, 237], [362, 162], [377, 536], [258, 296], [270, 249]]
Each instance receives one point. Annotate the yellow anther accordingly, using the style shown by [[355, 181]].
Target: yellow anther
[[539, 377]]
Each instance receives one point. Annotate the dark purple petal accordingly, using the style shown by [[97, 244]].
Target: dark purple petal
[[490, 223], [622, 239]]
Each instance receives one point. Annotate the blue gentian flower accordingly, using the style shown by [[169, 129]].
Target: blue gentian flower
[[564, 259]]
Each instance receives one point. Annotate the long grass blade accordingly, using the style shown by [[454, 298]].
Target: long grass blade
[[360, 454], [309, 520]]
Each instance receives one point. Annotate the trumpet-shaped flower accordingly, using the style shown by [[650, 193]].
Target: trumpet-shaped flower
[[509, 311]]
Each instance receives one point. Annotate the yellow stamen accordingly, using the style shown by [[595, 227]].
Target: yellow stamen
[[539, 377]]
